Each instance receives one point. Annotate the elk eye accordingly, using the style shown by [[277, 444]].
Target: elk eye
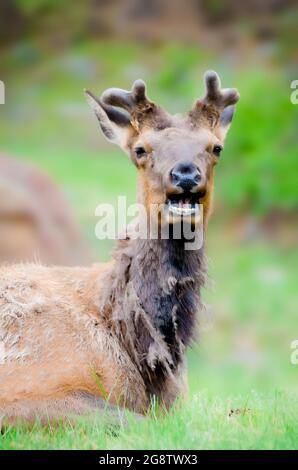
[[216, 150], [140, 152]]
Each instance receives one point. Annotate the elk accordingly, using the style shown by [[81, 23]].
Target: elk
[[35, 220], [74, 339]]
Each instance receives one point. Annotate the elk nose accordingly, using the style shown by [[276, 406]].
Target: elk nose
[[186, 175]]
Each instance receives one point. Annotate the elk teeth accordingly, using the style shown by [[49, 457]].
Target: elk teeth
[[183, 210]]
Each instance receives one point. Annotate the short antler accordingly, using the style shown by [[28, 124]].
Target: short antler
[[219, 97], [128, 100], [140, 108], [215, 101]]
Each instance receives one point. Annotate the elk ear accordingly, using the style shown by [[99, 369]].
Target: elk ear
[[115, 124], [226, 119]]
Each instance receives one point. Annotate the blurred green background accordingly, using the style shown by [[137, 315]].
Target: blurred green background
[[51, 50]]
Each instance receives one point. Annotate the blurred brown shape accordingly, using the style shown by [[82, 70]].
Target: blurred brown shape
[[36, 223], [142, 20]]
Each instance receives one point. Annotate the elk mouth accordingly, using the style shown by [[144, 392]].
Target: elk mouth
[[185, 205]]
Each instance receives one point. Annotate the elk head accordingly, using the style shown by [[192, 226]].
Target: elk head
[[174, 155]]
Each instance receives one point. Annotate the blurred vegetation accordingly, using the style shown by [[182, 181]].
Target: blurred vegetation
[[44, 94]]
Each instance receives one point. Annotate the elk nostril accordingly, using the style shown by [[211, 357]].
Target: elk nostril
[[175, 177], [197, 176]]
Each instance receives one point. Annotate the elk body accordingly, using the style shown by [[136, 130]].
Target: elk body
[[35, 220], [74, 338]]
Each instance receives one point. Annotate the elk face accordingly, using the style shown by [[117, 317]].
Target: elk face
[[175, 155]]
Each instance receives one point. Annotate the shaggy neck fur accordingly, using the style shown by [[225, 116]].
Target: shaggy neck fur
[[167, 279], [154, 298]]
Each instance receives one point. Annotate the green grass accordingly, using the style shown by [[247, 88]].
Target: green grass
[[242, 360], [204, 422]]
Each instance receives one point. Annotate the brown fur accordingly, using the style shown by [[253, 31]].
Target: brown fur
[[35, 220], [117, 332]]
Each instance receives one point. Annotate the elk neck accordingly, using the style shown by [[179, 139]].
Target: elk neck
[[151, 301], [167, 280]]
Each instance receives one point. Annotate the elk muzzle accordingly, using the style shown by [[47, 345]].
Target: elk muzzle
[[186, 188]]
